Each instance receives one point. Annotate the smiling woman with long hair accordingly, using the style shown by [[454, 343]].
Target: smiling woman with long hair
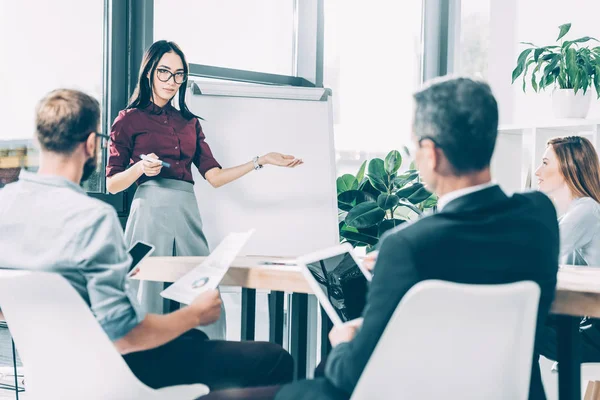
[[570, 175], [154, 145]]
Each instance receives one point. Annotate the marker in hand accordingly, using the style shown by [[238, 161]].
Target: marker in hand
[[163, 163]]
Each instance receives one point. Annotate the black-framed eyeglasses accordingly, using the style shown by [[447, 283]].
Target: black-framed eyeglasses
[[103, 136], [164, 75]]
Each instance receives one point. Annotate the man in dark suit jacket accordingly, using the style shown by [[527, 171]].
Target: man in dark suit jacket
[[479, 235]]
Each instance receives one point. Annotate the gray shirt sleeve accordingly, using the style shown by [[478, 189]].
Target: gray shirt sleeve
[[578, 226], [103, 260]]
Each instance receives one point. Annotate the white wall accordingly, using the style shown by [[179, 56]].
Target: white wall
[[534, 21]]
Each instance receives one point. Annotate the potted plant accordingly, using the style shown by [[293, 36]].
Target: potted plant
[[567, 66], [374, 202]]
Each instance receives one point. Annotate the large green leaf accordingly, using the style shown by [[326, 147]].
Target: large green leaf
[[419, 196], [343, 227], [577, 83], [520, 64], [564, 29], [388, 224], [376, 167], [585, 81], [537, 52], [563, 78], [571, 61], [584, 39], [359, 237], [345, 206], [408, 191], [365, 215], [378, 183], [409, 205], [360, 175], [346, 182], [377, 175], [387, 201], [430, 202], [369, 191], [551, 65], [525, 72], [349, 196], [372, 231], [392, 162], [534, 84], [402, 180]]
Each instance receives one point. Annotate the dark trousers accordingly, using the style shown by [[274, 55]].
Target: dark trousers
[[192, 358], [318, 388], [590, 342]]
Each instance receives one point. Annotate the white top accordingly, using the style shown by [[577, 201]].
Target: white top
[[580, 233], [448, 197]]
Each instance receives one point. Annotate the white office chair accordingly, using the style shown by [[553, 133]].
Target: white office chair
[[66, 353], [455, 341]]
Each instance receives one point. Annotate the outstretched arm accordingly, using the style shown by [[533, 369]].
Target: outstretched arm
[[218, 177]]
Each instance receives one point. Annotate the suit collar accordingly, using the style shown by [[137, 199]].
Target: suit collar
[[476, 200], [455, 194]]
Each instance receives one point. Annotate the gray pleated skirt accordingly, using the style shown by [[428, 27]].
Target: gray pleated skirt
[[165, 213]]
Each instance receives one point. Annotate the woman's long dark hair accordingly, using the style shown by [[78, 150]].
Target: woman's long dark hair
[[578, 164], [142, 95]]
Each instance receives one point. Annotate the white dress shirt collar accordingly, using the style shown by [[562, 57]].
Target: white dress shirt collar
[[455, 194]]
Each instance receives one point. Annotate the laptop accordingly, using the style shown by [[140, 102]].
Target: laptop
[[339, 281]]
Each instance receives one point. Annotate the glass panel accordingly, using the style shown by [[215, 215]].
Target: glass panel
[[45, 49], [255, 35], [474, 38], [373, 65]]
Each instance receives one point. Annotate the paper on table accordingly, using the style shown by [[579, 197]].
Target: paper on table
[[210, 272]]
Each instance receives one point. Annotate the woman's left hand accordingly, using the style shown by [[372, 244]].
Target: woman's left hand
[[281, 160]]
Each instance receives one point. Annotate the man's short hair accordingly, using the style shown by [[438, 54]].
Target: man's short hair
[[461, 116], [64, 119]]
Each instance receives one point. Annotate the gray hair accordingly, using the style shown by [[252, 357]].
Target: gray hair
[[460, 115]]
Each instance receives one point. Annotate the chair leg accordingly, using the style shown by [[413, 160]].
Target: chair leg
[[15, 369], [593, 391]]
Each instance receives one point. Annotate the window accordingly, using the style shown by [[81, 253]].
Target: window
[[474, 38], [45, 49], [372, 63], [253, 35]]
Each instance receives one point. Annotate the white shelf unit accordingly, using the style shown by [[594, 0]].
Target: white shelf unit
[[519, 149]]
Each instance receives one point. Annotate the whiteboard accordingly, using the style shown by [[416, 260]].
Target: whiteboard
[[294, 211]]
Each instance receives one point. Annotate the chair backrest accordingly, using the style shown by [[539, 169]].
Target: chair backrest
[[65, 352], [455, 341]]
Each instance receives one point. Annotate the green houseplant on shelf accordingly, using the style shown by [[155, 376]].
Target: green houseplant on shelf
[[568, 66], [378, 199]]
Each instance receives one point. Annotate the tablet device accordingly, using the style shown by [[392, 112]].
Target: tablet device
[[339, 281], [138, 252]]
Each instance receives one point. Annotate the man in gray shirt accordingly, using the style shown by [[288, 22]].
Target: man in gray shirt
[[47, 222]]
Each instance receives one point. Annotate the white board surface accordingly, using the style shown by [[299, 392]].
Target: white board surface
[[294, 211]]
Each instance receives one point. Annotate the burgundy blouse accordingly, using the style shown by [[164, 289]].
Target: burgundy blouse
[[164, 132]]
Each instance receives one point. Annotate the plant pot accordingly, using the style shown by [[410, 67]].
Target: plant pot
[[567, 104]]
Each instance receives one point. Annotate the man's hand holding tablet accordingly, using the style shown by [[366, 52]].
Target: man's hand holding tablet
[[339, 281], [345, 332]]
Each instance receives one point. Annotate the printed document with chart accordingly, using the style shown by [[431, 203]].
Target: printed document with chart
[[210, 272]]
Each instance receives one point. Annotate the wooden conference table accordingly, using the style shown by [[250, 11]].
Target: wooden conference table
[[577, 295]]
